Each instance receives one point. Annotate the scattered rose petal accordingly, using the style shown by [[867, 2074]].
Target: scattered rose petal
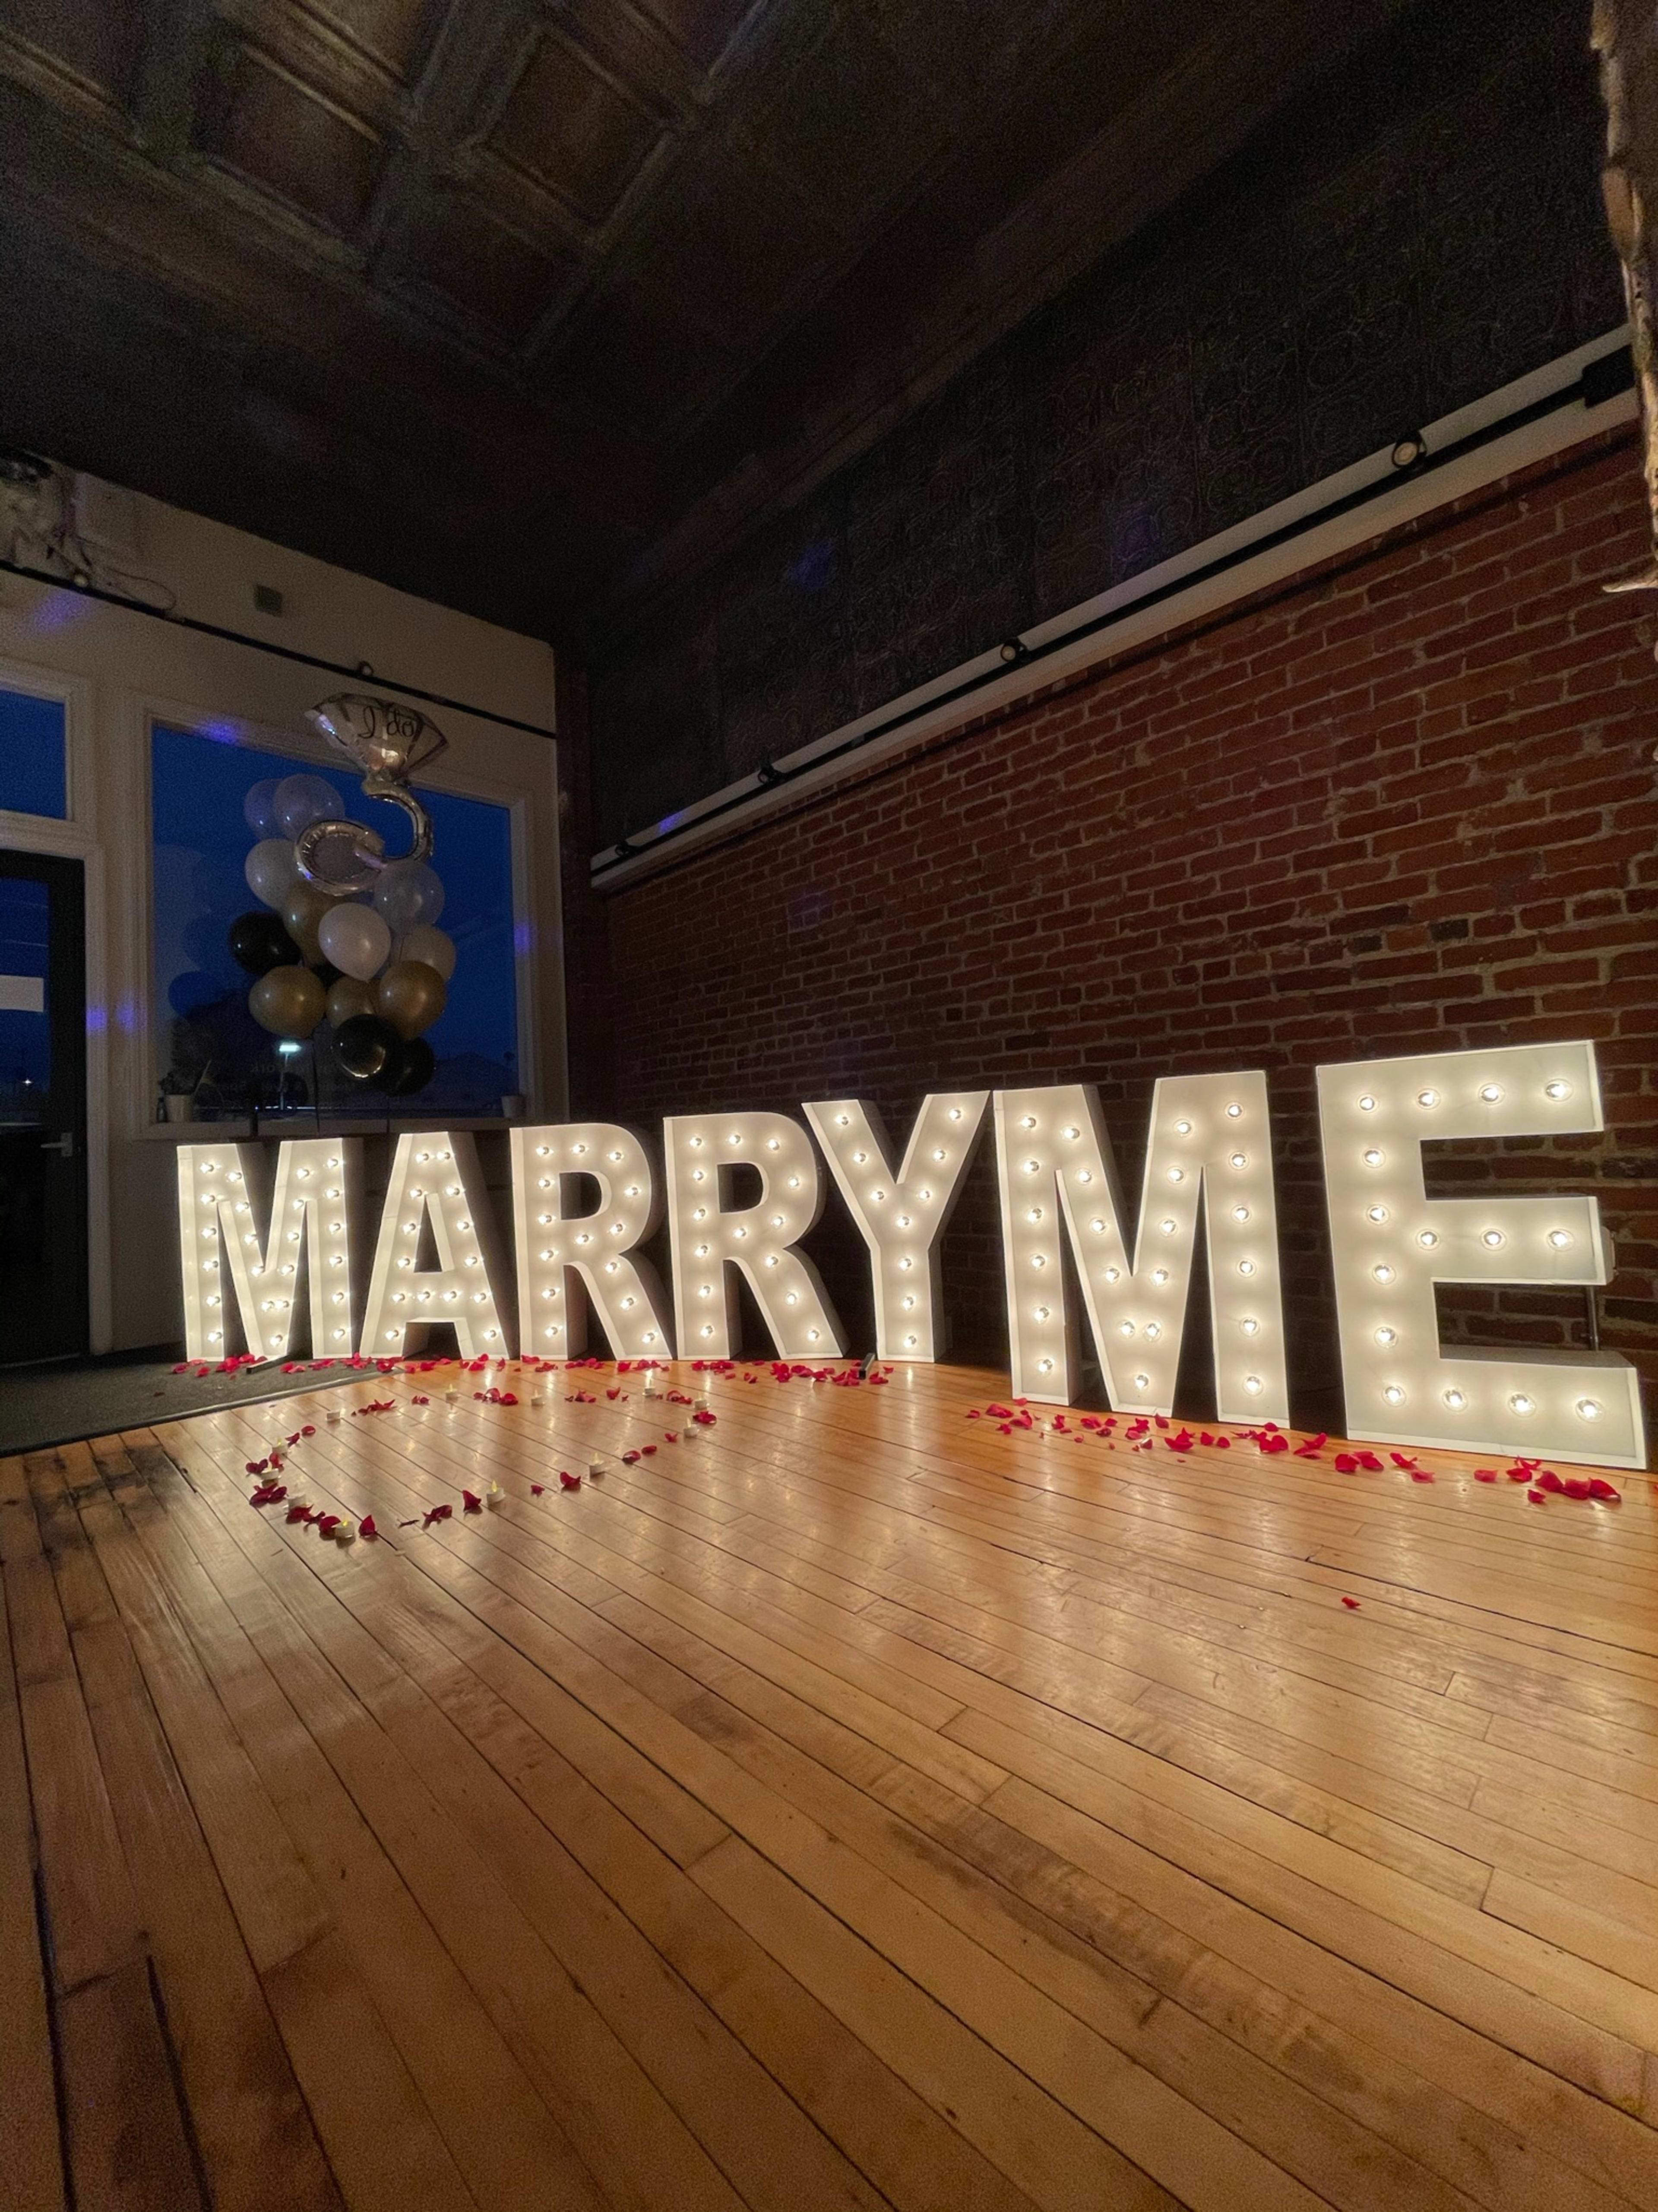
[[569, 1481], [367, 1525], [472, 1504], [1351, 1604]]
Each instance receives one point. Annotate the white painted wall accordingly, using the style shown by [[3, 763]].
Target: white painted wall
[[118, 671]]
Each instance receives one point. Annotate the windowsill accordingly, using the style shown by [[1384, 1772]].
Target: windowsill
[[307, 1125]]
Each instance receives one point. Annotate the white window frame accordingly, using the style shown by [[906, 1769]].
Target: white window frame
[[305, 749]]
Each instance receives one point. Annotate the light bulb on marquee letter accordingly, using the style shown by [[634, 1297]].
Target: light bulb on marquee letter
[[710, 1238], [1391, 1243], [560, 1255], [901, 1213], [434, 1177], [1209, 1133], [221, 1255]]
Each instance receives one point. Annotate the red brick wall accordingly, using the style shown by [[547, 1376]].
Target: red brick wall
[[1404, 804]]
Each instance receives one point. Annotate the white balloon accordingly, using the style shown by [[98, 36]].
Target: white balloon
[[259, 809], [355, 939], [271, 870], [299, 800], [409, 893], [433, 946]]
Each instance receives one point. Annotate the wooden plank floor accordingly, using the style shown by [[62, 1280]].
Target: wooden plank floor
[[850, 1805]]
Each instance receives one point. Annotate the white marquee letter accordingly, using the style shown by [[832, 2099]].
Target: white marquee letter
[[558, 1255], [1391, 1243], [1209, 1133], [901, 1213], [311, 1210], [434, 1177], [708, 1239]]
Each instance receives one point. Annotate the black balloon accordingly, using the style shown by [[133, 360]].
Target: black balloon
[[326, 973], [260, 943], [410, 1069], [365, 1045]]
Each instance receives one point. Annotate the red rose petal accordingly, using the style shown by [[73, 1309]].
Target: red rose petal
[[1351, 1604]]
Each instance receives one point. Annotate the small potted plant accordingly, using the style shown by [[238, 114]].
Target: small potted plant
[[177, 1096]]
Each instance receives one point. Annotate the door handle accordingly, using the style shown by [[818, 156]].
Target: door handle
[[63, 1146]]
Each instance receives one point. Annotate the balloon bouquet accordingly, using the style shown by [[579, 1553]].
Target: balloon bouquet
[[344, 933]]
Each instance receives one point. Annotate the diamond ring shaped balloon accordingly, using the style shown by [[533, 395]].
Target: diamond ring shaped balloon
[[386, 741]]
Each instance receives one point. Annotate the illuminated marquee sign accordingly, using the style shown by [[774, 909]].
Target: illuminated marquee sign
[[741, 1190]]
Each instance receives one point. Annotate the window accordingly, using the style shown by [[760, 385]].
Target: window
[[207, 1040], [33, 749]]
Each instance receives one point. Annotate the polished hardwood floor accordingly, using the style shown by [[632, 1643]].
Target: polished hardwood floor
[[853, 1805]]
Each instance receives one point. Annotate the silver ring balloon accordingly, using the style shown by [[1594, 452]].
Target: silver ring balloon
[[386, 741]]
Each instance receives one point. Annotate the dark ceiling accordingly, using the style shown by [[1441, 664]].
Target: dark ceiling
[[525, 306]]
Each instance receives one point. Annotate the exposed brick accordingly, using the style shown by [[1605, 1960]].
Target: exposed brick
[[1406, 805]]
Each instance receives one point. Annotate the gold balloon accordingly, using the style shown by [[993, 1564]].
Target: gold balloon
[[302, 911], [410, 996], [287, 1001], [349, 998]]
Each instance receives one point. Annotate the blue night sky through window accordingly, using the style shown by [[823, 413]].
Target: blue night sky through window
[[32, 755], [199, 780]]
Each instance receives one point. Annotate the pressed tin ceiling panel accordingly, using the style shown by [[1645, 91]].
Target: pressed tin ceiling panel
[[575, 129], [660, 262], [274, 132]]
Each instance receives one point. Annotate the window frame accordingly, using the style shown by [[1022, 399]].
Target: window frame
[[305, 749], [30, 832]]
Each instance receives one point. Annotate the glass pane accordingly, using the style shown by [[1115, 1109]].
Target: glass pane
[[201, 841], [32, 753], [25, 1032]]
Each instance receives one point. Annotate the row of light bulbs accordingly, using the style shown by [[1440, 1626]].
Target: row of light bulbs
[[1209, 1138]]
